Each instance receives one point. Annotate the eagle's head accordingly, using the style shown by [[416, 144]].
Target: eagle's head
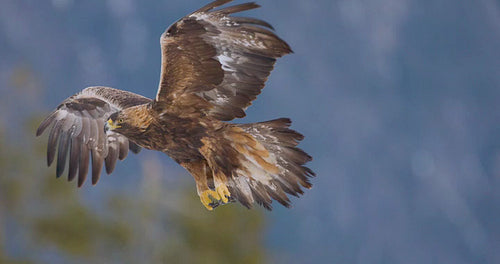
[[130, 121], [117, 122]]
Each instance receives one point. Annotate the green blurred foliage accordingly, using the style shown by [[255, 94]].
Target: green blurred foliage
[[44, 220], [232, 234]]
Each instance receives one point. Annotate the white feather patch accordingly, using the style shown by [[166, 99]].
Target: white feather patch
[[224, 59]]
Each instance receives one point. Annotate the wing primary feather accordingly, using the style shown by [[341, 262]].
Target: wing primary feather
[[97, 162], [52, 143], [45, 123], [237, 8], [111, 159], [276, 47], [94, 134], [212, 5], [123, 147], [62, 152], [83, 167], [251, 20], [73, 157], [85, 130]]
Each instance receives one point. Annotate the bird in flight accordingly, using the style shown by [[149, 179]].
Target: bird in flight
[[213, 66]]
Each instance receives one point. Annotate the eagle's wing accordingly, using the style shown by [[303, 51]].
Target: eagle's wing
[[78, 128], [215, 64]]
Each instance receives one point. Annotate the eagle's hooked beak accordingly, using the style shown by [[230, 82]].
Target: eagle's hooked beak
[[110, 125]]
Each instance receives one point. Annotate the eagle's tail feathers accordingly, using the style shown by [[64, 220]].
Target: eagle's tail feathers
[[272, 164]]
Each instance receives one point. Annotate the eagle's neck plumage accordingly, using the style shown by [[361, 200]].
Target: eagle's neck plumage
[[140, 117]]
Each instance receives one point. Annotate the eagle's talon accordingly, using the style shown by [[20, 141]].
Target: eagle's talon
[[209, 198], [215, 204], [223, 193]]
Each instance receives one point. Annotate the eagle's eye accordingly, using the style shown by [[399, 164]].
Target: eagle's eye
[[120, 120]]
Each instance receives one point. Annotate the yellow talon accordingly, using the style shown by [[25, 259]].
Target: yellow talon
[[223, 193], [206, 200]]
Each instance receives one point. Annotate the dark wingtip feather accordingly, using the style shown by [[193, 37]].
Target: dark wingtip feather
[[40, 130], [309, 172], [50, 155], [237, 8], [97, 163], [134, 147], [81, 180], [110, 160], [62, 152], [45, 123], [283, 121], [73, 158], [212, 5], [83, 166], [250, 20], [123, 150], [52, 143], [42, 127]]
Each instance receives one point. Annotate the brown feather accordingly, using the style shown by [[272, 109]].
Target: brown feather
[[209, 55], [236, 8], [212, 5]]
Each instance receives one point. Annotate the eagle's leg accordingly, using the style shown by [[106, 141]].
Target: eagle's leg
[[200, 171], [211, 150], [221, 187]]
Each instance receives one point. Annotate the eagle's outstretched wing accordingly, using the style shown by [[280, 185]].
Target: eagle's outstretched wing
[[215, 64], [78, 128]]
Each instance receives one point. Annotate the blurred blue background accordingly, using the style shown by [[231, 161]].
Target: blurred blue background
[[398, 100]]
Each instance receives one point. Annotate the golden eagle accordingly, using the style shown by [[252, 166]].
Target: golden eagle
[[213, 66]]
